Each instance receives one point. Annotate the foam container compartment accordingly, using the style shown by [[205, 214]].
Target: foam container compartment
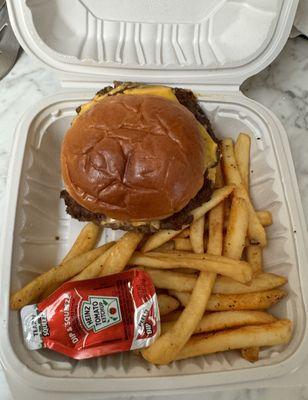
[[185, 43]]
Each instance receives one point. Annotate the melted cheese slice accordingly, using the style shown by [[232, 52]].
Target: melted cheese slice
[[210, 148], [162, 91]]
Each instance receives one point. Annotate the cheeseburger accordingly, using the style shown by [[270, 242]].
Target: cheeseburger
[[138, 157]]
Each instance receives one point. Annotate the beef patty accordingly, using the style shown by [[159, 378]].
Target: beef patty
[[175, 221]]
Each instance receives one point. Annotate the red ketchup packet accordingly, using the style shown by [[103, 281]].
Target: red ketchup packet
[[92, 318]]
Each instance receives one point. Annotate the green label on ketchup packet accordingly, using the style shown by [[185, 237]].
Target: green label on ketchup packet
[[100, 312], [85, 319]]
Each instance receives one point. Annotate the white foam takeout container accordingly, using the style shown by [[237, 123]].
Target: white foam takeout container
[[210, 46]]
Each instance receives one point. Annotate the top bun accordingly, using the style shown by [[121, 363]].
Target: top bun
[[134, 158]]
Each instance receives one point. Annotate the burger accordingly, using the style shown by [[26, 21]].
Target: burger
[[138, 157]]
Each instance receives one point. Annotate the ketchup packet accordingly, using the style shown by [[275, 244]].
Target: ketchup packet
[[92, 318]]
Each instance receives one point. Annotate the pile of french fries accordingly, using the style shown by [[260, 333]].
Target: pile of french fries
[[212, 291]]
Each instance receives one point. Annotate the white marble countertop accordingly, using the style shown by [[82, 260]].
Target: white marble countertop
[[283, 87]]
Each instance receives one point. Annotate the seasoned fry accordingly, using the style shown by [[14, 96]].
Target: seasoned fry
[[197, 235], [184, 255], [167, 304], [166, 279], [265, 218], [85, 241], [238, 270], [93, 270], [264, 281], [254, 257], [215, 241], [243, 301], [237, 229], [168, 246], [56, 275], [184, 234], [256, 231], [250, 354], [218, 196], [164, 236], [182, 244], [168, 345], [229, 165], [120, 253], [172, 280], [227, 319], [278, 332], [242, 156]]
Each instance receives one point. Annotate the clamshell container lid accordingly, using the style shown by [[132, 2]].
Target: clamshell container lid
[[220, 42]]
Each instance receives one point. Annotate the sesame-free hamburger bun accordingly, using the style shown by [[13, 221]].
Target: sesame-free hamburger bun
[[134, 157]]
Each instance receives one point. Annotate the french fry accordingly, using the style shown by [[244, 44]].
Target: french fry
[[166, 279], [56, 275], [243, 301], [168, 246], [218, 196], [229, 165], [265, 217], [226, 319], [184, 234], [250, 354], [182, 244], [197, 235], [182, 297], [159, 238], [215, 241], [254, 257], [120, 253], [238, 218], [216, 220], [237, 229], [168, 345], [167, 304], [264, 281], [238, 270], [172, 280], [256, 231], [278, 332], [94, 269], [242, 156], [85, 241], [164, 236]]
